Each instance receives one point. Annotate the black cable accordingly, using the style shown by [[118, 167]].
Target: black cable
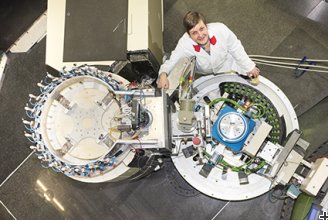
[[273, 197]]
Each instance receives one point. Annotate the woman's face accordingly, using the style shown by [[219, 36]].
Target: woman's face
[[199, 33]]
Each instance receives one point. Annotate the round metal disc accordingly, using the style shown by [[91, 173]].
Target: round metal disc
[[232, 126]]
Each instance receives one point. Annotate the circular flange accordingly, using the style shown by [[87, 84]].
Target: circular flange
[[73, 120], [232, 127]]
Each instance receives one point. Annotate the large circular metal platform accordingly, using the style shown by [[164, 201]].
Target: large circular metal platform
[[225, 184], [71, 119]]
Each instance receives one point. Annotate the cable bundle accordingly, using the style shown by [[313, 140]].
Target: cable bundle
[[302, 64]]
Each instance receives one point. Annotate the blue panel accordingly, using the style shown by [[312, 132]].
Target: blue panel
[[314, 212], [237, 143]]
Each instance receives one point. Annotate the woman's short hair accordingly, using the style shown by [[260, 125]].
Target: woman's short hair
[[191, 19]]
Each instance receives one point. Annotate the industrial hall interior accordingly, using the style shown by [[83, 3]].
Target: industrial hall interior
[[164, 109]]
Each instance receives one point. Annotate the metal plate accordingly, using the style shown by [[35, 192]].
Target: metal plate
[[95, 31]]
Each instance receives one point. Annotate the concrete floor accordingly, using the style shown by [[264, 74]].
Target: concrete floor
[[295, 28]]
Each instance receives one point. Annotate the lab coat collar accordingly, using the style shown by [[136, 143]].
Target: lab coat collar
[[212, 41], [196, 47]]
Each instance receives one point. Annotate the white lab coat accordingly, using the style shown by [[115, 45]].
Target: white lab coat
[[227, 53]]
